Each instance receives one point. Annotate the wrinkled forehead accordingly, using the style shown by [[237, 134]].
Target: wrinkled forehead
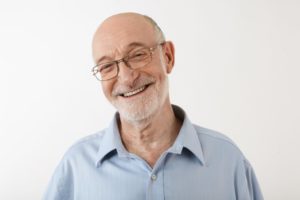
[[115, 35]]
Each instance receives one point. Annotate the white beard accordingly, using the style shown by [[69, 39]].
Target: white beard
[[145, 106]]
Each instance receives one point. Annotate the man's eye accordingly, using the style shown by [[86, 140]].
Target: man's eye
[[140, 55], [106, 67]]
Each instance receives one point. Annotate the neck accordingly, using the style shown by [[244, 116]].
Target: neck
[[151, 137]]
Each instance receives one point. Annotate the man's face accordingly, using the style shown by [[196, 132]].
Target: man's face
[[137, 94]]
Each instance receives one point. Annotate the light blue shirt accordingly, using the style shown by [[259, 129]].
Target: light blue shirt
[[201, 165]]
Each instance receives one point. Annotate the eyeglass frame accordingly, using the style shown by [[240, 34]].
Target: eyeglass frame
[[125, 60]]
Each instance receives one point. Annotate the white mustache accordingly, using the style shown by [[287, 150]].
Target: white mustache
[[121, 89]]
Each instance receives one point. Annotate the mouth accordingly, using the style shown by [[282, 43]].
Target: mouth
[[135, 92]]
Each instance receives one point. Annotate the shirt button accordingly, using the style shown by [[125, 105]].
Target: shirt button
[[153, 177]]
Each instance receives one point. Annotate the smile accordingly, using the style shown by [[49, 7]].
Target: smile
[[134, 92]]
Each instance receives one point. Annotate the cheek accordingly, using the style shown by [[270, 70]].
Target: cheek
[[107, 89], [161, 72], [163, 68], [158, 69]]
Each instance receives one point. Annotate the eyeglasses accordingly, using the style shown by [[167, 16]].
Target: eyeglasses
[[135, 59]]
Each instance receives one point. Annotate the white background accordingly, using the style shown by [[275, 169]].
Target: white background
[[237, 71]]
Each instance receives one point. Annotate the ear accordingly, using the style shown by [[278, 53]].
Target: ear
[[169, 55]]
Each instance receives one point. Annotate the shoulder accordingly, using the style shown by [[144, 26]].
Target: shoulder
[[213, 135], [79, 157], [214, 141], [85, 147]]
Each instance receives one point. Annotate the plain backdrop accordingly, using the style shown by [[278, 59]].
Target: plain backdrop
[[236, 71]]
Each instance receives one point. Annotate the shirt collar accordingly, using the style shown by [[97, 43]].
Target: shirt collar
[[187, 138], [111, 141]]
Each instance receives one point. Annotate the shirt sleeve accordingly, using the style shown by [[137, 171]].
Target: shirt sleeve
[[60, 186], [246, 184]]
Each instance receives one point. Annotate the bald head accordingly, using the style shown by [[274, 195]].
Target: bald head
[[119, 30], [156, 27]]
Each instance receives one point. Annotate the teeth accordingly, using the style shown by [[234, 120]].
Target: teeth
[[134, 92]]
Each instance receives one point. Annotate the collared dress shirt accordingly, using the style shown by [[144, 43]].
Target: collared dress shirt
[[201, 165]]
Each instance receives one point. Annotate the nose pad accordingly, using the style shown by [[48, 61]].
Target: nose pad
[[124, 62]]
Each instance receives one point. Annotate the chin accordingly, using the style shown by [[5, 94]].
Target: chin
[[144, 107], [140, 110]]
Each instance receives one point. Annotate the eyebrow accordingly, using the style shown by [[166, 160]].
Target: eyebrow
[[129, 47]]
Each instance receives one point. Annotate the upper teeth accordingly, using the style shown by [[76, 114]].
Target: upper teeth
[[133, 92]]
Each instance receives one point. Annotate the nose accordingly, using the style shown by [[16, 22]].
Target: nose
[[126, 74]]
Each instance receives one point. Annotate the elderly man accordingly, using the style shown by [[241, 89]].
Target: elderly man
[[151, 150]]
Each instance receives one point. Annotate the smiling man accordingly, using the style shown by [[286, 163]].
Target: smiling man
[[151, 150]]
